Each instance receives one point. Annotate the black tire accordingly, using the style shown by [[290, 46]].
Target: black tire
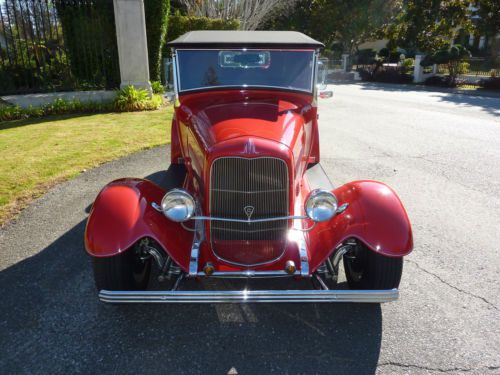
[[125, 271], [366, 269]]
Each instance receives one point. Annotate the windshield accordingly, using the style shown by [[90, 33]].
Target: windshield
[[208, 69]]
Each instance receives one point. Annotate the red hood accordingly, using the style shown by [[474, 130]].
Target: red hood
[[272, 116]]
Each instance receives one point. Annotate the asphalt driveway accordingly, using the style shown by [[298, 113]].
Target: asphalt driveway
[[440, 152]]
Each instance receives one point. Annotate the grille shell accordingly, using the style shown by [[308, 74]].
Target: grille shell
[[236, 183]]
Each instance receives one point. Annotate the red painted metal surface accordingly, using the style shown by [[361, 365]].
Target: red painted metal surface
[[246, 123], [122, 215], [375, 216]]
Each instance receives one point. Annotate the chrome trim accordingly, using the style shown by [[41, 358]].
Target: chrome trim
[[175, 70], [249, 221], [249, 273], [247, 296], [195, 248], [338, 255], [304, 259], [209, 218], [342, 208], [157, 207]]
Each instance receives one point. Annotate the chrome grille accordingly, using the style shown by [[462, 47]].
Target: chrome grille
[[236, 183]]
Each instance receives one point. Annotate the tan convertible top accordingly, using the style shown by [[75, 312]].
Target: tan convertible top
[[224, 39]]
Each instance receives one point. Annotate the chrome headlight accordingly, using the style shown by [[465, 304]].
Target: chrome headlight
[[321, 205], [178, 205]]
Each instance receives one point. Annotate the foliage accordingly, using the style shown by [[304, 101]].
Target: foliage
[[157, 87], [156, 29], [89, 35], [344, 23], [488, 23], [37, 153], [57, 107], [250, 13], [366, 56], [407, 65], [128, 99], [385, 74], [442, 81], [427, 25], [179, 24], [453, 57], [389, 56], [491, 83], [131, 99]]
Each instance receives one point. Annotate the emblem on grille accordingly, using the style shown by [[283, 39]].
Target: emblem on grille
[[249, 211]]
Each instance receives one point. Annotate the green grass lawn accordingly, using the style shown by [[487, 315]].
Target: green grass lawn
[[36, 154]]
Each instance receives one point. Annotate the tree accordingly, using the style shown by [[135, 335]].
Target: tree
[[453, 57], [250, 13], [156, 14], [344, 23], [428, 25], [487, 23]]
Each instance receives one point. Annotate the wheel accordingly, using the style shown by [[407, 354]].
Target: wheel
[[366, 269], [125, 271]]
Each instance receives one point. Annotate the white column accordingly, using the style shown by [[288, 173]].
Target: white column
[[418, 72], [132, 43], [345, 59]]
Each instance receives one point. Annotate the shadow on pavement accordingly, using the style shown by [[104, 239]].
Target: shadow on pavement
[[52, 322], [490, 104]]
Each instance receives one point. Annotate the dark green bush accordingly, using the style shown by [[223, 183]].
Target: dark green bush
[[179, 24], [365, 56], [156, 30], [90, 42], [386, 75], [492, 83]]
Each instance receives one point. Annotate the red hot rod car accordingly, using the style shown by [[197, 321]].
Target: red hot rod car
[[252, 200]]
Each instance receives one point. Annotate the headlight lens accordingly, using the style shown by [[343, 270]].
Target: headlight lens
[[178, 205], [321, 205]]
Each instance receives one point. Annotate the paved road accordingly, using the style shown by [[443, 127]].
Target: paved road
[[441, 152]]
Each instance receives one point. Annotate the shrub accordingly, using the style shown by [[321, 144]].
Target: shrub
[[157, 87], [365, 56], [492, 83], [179, 24], [386, 75], [453, 57], [463, 67], [438, 81], [131, 99], [128, 99], [156, 14], [90, 42], [408, 63]]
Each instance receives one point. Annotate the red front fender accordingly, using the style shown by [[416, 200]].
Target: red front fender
[[375, 216], [122, 214]]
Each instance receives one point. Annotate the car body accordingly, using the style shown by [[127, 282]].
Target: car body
[[249, 198]]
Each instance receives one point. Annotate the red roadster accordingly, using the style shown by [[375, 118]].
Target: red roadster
[[252, 199]]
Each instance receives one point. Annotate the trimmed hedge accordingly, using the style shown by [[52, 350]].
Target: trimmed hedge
[[129, 99], [179, 24], [156, 29], [89, 33]]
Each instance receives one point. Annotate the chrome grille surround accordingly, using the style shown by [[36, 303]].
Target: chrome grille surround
[[236, 183]]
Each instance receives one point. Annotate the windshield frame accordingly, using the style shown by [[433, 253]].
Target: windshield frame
[[177, 78]]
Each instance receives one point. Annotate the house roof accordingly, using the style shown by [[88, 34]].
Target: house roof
[[232, 38]]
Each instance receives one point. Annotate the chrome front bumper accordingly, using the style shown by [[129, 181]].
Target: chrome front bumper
[[247, 296]]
